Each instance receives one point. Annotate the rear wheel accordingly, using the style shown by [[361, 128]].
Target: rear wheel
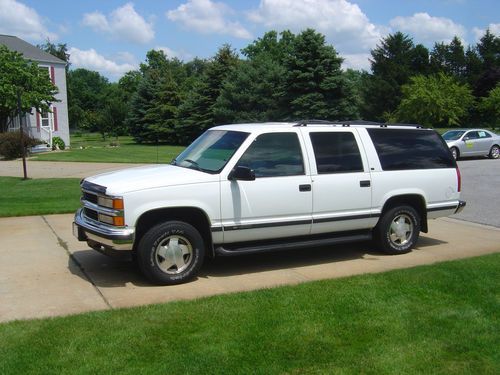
[[455, 153], [171, 253], [398, 230], [494, 152]]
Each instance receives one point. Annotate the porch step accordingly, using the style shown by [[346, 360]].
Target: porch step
[[40, 148]]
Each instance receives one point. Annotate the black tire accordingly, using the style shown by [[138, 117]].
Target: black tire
[[455, 153], [494, 152], [171, 253], [400, 238]]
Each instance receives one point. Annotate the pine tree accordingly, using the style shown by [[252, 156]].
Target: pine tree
[[197, 112], [391, 68], [314, 83]]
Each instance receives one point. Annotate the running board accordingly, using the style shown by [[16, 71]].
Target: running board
[[290, 245]]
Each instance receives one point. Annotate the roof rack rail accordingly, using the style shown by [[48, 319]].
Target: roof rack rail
[[313, 121], [359, 122], [418, 126]]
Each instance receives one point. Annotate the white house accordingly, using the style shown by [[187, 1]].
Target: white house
[[46, 125]]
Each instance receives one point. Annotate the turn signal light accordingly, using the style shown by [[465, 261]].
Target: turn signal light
[[118, 221], [118, 204]]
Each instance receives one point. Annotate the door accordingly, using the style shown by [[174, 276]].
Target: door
[[476, 143], [278, 203], [46, 126], [341, 182]]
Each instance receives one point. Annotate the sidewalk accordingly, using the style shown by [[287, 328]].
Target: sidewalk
[[52, 169], [45, 271]]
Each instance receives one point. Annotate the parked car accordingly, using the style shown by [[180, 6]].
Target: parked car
[[473, 142], [249, 188]]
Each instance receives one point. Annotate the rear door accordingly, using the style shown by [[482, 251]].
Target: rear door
[[341, 181]]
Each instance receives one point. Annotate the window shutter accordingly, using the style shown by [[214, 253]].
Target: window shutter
[[54, 110], [37, 121], [52, 75]]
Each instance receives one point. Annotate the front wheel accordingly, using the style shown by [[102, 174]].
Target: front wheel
[[455, 153], [398, 230], [171, 253], [494, 152]]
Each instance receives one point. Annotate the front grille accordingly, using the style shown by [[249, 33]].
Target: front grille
[[91, 214], [90, 193], [89, 197]]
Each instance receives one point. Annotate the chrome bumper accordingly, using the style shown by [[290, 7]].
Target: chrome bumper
[[461, 205], [111, 238]]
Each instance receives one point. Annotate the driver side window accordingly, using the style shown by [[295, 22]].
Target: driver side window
[[273, 155], [472, 135]]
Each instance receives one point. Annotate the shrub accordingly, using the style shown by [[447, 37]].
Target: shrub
[[58, 143], [10, 147]]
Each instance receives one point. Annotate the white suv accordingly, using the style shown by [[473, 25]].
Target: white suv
[[249, 188]]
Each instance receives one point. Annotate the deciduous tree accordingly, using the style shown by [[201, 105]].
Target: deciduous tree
[[25, 78], [436, 100]]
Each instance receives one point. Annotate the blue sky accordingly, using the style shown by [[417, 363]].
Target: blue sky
[[113, 36]]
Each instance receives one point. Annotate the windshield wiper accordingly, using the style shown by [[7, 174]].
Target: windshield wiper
[[193, 163]]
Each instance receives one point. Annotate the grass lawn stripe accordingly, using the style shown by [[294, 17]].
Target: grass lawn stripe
[[43, 196], [434, 319]]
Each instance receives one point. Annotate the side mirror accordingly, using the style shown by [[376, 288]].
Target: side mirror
[[465, 139], [241, 173]]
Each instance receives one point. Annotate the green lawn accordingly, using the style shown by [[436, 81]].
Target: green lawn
[[92, 148], [20, 197], [440, 319]]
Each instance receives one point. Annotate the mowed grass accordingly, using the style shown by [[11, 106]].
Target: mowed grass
[[439, 319], [20, 197], [92, 148]]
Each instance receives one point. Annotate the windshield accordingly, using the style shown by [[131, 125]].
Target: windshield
[[453, 135], [211, 151]]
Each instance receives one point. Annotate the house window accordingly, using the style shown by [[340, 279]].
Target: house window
[[46, 119]]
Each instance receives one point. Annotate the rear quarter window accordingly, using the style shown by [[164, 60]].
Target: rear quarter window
[[403, 149]]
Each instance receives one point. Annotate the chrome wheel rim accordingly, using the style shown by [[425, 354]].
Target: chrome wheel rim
[[401, 230], [454, 153], [495, 152], [174, 254]]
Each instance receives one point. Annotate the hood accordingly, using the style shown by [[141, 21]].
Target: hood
[[149, 177]]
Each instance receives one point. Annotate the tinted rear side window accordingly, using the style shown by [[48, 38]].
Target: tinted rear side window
[[336, 152], [400, 149]]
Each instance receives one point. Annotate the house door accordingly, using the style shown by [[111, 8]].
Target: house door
[[46, 126]]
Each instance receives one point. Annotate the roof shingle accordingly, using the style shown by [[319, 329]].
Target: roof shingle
[[29, 51]]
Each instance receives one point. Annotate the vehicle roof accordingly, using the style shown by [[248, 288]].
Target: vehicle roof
[[471, 129], [261, 126]]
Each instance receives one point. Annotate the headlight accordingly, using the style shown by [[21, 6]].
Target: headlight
[[115, 203], [117, 221]]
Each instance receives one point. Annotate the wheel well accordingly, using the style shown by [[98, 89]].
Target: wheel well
[[414, 200], [191, 215]]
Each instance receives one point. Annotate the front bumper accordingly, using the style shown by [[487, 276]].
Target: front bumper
[[111, 238], [461, 205]]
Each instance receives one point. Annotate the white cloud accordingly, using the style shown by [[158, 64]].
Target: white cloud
[[22, 21], [123, 23], [493, 27], [90, 59], [343, 23], [358, 61], [208, 17], [426, 28], [170, 53]]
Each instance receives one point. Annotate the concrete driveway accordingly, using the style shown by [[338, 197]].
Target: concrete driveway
[[50, 169], [45, 271]]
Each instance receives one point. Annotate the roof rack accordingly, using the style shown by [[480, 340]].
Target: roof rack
[[359, 122], [313, 121], [418, 126], [348, 123]]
